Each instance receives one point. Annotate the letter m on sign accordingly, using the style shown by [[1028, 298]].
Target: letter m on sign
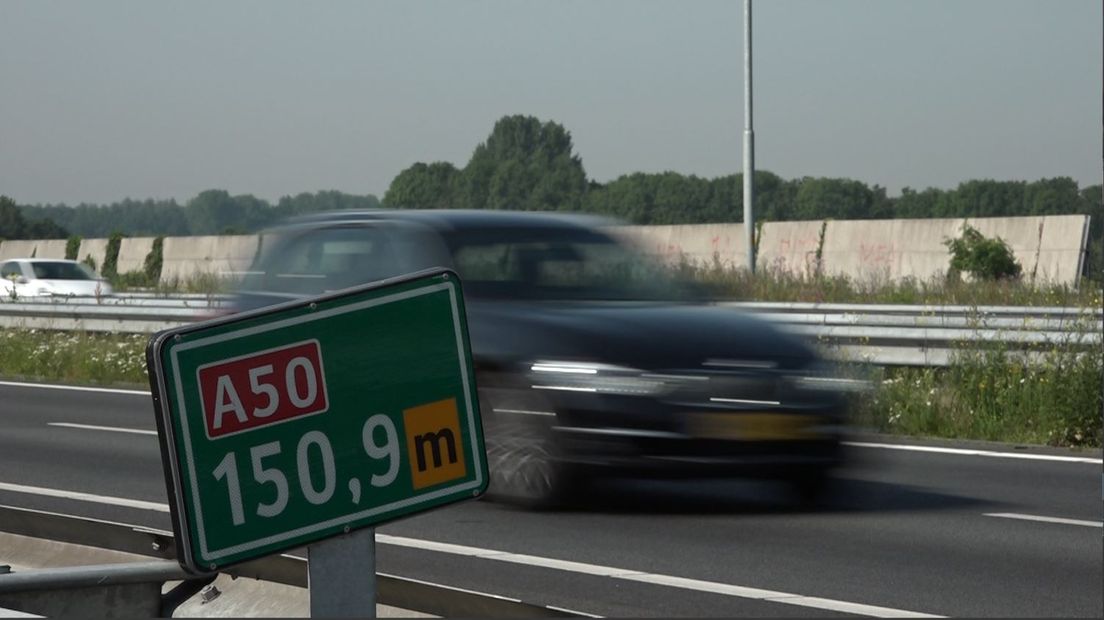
[[433, 443]]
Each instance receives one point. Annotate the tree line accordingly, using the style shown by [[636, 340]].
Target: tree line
[[211, 212], [527, 164]]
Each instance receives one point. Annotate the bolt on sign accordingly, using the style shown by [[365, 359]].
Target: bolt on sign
[[295, 423]]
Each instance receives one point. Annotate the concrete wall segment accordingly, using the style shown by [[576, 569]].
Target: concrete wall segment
[[132, 254], [223, 256], [39, 248], [96, 248], [789, 246], [700, 244]]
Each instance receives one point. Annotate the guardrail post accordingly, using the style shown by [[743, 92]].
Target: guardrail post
[[341, 576]]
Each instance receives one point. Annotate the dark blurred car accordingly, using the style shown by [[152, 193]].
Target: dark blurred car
[[590, 358]]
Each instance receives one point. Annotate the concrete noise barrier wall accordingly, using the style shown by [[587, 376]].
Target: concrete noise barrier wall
[[132, 254], [885, 250], [790, 247], [1049, 248], [38, 248], [94, 248], [701, 244], [187, 257]]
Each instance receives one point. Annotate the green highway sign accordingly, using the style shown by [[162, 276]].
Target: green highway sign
[[298, 422]]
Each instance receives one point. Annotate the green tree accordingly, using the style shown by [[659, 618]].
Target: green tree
[[524, 165], [423, 186], [914, 204], [841, 199], [111, 255], [329, 200], [12, 224], [212, 211], [72, 247], [988, 259]]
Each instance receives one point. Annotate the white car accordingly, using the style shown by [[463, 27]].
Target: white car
[[48, 277]]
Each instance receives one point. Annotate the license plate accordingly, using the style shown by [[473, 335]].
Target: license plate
[[752, 426]]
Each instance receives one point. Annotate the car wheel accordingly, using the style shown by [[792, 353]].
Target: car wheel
[[525, 465]]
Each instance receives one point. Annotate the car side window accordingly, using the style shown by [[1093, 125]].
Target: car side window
[[328, 259], [10, 270]]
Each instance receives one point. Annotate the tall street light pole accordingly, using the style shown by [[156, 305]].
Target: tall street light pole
[[749, 145]]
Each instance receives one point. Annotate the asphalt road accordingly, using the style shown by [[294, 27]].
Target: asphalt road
[[947, 532]]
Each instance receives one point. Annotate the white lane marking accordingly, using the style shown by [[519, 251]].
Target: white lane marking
[[84, 497], [652, 578], [571, 612], [78, 388], [859, 444], [525, 412], [11, 613], [93, 427], [551, 563], [500, 597], [1012, 515], [965, 452]]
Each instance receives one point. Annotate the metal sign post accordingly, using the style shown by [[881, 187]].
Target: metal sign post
[[341, 576], [289, 425], [749, 146]]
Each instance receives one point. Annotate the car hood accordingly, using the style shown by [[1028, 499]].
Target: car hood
[[646, 335]]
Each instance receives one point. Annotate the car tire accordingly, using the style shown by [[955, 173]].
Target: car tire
[[523, 456]]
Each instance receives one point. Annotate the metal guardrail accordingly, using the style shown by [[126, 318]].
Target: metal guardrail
[[883, 334], [104, 590], [392, 590]]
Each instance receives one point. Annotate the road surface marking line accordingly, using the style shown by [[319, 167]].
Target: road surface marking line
[[11, 613], [964, 452], [573, 612], [532, 560], [1012, 515], [652, 578], [78, 388], [526, 412], [92, 427], [84, 497], [885, 446]]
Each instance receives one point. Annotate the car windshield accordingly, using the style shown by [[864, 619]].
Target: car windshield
[[560, 264], [325, 259], [59, 270]]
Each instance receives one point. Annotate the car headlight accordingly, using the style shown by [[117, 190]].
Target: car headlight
[[827, 378], [596, 378]]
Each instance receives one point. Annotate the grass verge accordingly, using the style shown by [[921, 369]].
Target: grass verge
[[82, 358], [992, 396]]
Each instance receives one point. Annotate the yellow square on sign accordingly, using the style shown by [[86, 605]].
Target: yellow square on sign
[[433, 443]]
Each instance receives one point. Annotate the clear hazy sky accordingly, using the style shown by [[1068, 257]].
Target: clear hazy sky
[[105, 100]]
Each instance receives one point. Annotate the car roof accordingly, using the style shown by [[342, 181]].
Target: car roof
[[460, 219]]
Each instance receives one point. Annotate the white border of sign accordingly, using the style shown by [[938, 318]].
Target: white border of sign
[[207, 554]]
